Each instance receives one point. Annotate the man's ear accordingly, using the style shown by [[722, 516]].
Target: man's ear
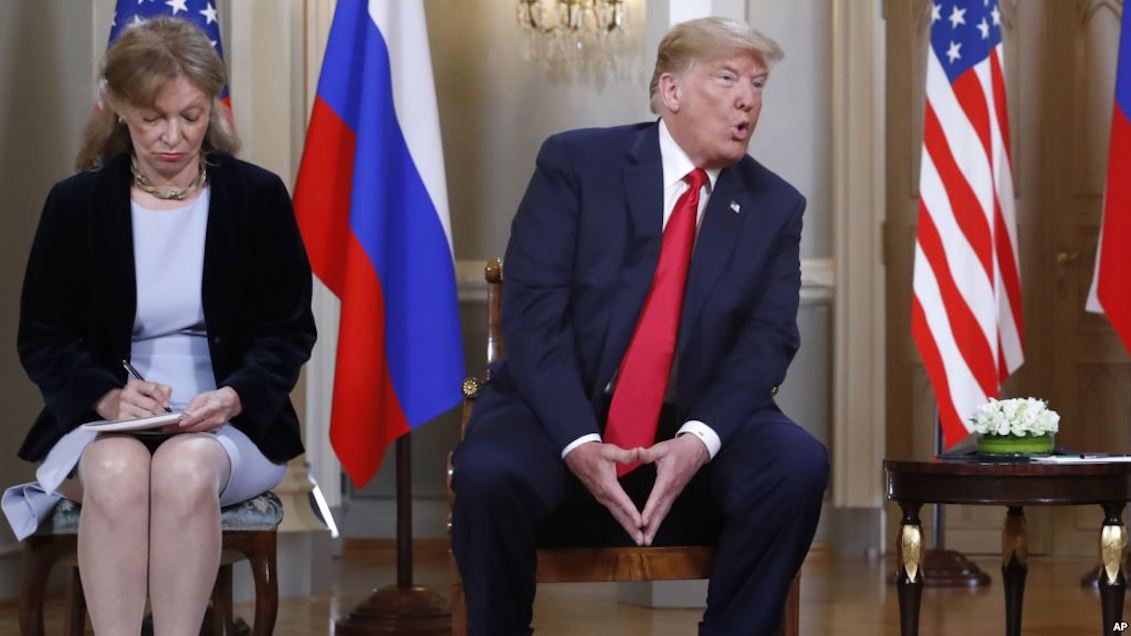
[[671, 92]]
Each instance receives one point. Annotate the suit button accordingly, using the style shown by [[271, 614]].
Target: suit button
[[773, 390], [216, 340]]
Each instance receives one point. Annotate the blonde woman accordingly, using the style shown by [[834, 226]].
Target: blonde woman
[[166, 252]]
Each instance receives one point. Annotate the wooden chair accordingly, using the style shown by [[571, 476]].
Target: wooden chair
[[249, 532], [565, 565]]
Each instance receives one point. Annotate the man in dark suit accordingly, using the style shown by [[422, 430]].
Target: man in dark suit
[[649, 313]]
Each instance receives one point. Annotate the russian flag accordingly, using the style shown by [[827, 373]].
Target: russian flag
[[373, 210], [1111, 285]]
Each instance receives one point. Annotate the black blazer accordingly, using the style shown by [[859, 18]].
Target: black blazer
[[79, 299], [583, 249]]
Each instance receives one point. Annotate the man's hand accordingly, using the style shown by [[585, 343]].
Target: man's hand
[[677, 460], [594, 463]]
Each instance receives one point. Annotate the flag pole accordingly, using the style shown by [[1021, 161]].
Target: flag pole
[[403, 608], [939, 532], [404, 512]]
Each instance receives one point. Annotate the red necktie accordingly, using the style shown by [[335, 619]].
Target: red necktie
[[639, 392]]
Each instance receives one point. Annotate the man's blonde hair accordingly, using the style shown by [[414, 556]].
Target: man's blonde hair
[[706, 38]]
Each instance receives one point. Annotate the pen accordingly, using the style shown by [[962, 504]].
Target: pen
[[137, 376]]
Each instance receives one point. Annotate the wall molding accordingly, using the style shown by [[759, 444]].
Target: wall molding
[[818, 280]]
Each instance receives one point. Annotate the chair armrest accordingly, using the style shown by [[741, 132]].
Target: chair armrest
[[470, 389]]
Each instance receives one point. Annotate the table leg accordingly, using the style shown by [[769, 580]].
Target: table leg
[[909, 575], [1113, 544], [1014, 566]]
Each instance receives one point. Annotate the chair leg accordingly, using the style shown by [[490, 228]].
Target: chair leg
[[76, 606], [261, 558], [459, 610], [222, 602], [791, 622], [39, 557]]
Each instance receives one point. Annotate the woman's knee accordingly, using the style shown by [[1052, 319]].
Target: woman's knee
[[188, 471], [114, 474]]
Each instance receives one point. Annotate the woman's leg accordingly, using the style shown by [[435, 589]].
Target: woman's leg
[[187, 474], [114, 532]]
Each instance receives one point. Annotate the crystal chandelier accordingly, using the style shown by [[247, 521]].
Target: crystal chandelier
[[571, 30]]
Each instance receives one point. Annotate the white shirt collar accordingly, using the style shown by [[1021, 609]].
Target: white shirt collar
[[676, 163]]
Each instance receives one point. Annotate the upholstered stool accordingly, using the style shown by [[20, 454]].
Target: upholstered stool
[[248, 533]]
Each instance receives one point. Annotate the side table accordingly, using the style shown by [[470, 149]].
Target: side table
[[1014, 485]]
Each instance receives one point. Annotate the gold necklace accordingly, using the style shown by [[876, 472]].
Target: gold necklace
[[176, 194]]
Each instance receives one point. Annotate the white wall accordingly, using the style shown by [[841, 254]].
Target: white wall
[[496, 108], [45, 96], [794, 136]]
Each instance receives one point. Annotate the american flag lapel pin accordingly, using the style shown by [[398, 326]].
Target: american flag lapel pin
[[734, 207]]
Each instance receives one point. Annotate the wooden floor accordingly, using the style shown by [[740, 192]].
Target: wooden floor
[[840, 596]]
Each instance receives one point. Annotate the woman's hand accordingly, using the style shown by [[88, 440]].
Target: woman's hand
[[136, 399], [208, 411]]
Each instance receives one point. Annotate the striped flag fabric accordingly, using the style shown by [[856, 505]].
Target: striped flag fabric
[[202, 13], [966, 309], [1111, 282], [372, 206]]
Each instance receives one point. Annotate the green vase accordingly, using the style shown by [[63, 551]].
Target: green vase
[[1015, 444]]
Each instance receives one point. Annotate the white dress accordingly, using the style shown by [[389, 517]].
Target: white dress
[[170, 346]]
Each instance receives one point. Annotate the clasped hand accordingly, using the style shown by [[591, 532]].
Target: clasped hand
[[677, 460], [207, 411]]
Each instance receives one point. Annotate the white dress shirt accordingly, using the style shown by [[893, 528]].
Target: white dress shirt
[[676, 165]]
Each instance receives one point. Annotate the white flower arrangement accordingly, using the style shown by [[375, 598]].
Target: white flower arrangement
[[1020, 417]]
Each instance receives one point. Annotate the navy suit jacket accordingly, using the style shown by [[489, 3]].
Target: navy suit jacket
[[80, 297], [584, 245]]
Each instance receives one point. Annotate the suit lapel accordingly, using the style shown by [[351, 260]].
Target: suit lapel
[[644, 199], [219, 291], [113, 239], [718, 234]]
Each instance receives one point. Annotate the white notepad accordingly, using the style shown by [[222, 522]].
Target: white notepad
[[1081, 459], [136, 424]]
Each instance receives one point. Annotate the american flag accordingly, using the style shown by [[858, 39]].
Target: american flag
[[966, 311], [202, 13]]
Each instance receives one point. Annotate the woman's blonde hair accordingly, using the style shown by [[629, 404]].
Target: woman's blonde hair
[[705, 38], [136, 68]]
